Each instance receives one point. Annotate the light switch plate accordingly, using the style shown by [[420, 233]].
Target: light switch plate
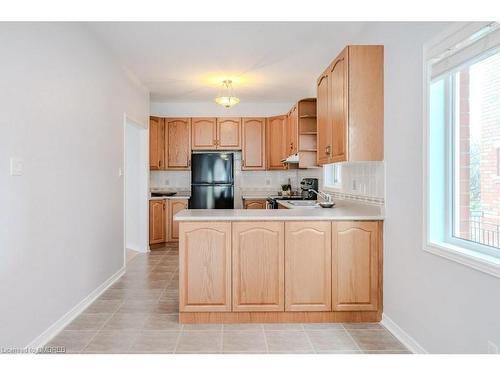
[[16, 166]]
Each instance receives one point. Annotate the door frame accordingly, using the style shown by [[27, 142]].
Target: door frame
[[144, 184]]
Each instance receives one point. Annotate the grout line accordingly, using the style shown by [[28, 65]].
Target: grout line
[[309, 339], [352, 338]]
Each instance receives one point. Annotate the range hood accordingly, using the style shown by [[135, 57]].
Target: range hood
[[292, 159]]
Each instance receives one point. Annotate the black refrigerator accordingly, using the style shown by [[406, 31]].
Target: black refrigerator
[[212, 183]]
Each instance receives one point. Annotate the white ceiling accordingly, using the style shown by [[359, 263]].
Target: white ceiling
[[184, 62]]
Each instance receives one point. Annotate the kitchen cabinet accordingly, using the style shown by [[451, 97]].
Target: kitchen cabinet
[[174, 206], [156, 143], [253, 154], [204, 133], [178, 143], [350, 96], [205, 267], [228, 133], [308, 266], [356, 265], [259, 204], [292, 131], [157, 225], [276, 138], [258, 266]]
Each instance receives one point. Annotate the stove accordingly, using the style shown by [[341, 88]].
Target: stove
[[305, 185]]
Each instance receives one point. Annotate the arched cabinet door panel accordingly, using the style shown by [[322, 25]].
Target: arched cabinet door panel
[[308, 271], [258, 266], [356, 265], [204, 267]]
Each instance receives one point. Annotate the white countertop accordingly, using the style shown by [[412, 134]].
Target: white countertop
[[178, 195], [343, 210]]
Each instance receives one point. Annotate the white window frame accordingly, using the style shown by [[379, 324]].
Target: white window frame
[[335, 172], [465, 252]]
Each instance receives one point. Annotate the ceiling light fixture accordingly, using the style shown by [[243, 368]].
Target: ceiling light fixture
[[226, 97]]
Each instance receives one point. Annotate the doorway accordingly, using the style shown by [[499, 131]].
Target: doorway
[[136, 186]]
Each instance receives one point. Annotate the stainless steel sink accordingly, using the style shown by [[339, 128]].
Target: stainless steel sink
[[306, 204]]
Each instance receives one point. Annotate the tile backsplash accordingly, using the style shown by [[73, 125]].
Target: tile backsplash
[[361, 181]]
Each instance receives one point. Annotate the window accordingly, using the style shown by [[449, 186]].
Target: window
[[463, 131], [332, 176]]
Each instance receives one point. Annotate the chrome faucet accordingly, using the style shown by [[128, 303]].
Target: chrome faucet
[[326, 196]]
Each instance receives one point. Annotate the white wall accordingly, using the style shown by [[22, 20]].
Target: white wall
[[202, 109], [63, 100], [136, 187], [444, 306]]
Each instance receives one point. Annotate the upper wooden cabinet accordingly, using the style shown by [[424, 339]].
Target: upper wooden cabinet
[[350, 106], [276, 138], [258, 266], [253, 154], [356, 263], [228, 133], [308, 266], [205, 267], [210, 133], [178, 143], [204, 133], [157, 224], [156, 143]]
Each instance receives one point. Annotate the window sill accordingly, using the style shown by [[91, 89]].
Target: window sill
[[473, 259]]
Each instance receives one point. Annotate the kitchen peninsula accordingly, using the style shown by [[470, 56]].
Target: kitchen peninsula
[[293, 265]]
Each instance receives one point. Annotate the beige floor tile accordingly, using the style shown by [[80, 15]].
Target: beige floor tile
[[104, 306], [126, 321], [331, 340], [115, 294], [282, 327], [323, 326], [199, 342], [72, 341], [111, 342], [162, 322], [287, 341], [166, 307], [202, 327], [363, 326], [88, 322], [133, 306], [243, 342], [374, 339], [155, 342], [243, 327]]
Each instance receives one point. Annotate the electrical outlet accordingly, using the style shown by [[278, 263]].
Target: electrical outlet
[[354, 185], [492, 348], [268, 181], [167, 182]]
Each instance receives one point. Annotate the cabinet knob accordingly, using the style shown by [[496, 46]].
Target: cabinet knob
[[328, 150]]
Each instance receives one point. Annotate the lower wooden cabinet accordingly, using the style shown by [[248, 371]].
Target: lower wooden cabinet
[[162, 227], [174, 206], [258, 266], [308, 266], [157, 225], [258, 204], [205, 267], [356, 265]]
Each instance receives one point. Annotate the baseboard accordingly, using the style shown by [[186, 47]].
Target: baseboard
[[402, 335], [59, 325]]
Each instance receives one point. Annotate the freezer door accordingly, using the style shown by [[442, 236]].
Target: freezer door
[[212, 196], [212, 168]]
